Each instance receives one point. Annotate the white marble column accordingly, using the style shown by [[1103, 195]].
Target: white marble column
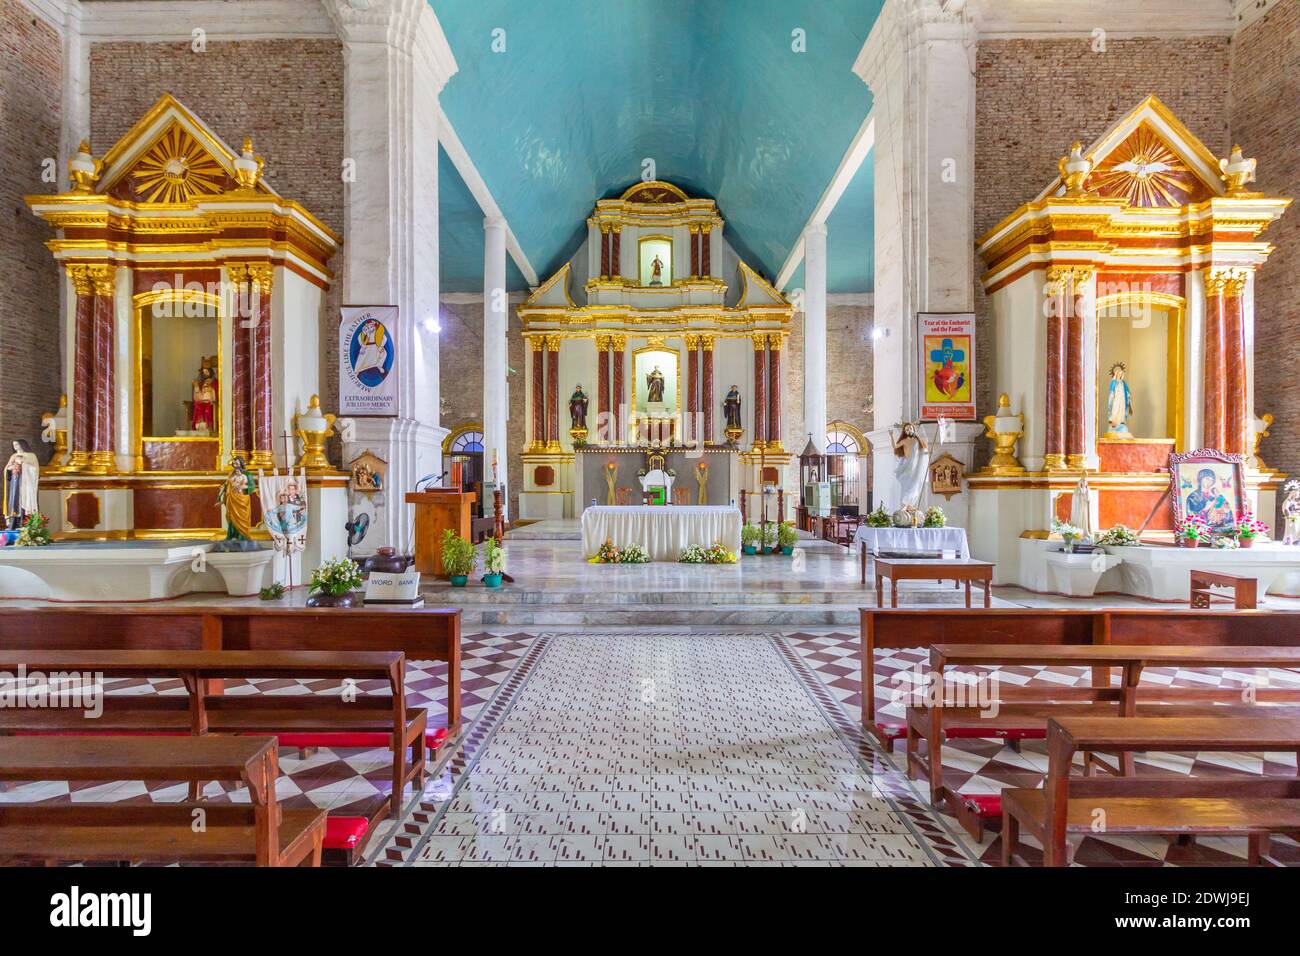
[[396, 62], [919, 63], [496, 315], [814, 336]]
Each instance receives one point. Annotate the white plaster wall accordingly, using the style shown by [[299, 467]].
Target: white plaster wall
[[295, 350]]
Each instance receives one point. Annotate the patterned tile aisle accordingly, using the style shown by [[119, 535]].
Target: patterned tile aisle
[[689, 749], [986, 766]]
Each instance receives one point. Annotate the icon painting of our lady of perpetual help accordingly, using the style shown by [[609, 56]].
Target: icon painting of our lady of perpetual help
[[1208, 484]]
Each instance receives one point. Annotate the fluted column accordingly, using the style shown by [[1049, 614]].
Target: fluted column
[[538, 345], [102, 459], [1215, 423], [552, 393], [83, 368], [604, 250], [1236, 439], [1055, 306], [619, 345], [260, 455], [1076, 322], [615, 250], [495, 321], [695, 250], [706, 244], [774, 392], [760, 391], [706, 385]]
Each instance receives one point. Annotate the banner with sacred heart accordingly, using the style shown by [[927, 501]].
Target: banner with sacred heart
[[284, 509]]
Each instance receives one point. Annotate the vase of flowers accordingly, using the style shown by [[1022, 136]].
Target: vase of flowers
[[334, 584], [494, 562], [458, 557], [35, 532], [1191, 531], [934, 518], [1249, 528], [1068, 532]]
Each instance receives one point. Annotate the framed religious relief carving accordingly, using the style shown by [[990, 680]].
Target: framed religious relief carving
[[946, 354], [945, 476], [368, 472], [1207, 483]]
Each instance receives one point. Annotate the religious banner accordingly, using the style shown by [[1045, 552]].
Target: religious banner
[[946, 350], [367, 360], [284, 509]]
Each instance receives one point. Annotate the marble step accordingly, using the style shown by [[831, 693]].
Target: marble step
[[513, 595]]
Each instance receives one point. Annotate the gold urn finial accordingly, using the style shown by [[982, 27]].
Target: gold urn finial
[[1001, 429], [313, 427], [84, 169], [248, 167], [1236, 171], [1074, 169]]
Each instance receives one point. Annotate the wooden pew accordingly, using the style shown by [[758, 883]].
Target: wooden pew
[[1027, 709], [261, 832], [893, 628], [1158, 803], [419, 633], [202, 713]]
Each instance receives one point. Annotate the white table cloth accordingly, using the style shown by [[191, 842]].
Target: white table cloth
[[663, 530], [876, 540]]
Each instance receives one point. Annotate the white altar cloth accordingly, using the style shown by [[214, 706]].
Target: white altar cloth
[[663, 530], [875, 540]]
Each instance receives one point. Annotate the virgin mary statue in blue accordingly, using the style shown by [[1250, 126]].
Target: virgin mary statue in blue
[[1118, 405]]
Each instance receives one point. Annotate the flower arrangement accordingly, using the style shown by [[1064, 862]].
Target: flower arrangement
[[635, 554], [715, 553], [459, 556], [1120, 536], [1192, 528], [1226, 542], [607, 553], [1066, 530], [35, 532], [880, 518], [692, 554], [1249, 527], [934, 518], [337, 577], [494, 556], [632, 554]]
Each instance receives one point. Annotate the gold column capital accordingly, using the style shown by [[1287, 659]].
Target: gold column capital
[[602, 343], [774, 341], [79, 273], [1082, 274], [706, 342], [261, 274], [552, 343], [618, 343], [537, 342], [1216, 280], [760, 340], [692, 342], [604, 228], [1057, 277], [616, 227]]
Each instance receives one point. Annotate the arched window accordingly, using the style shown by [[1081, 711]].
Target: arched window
[[841, 443], [467, 442]]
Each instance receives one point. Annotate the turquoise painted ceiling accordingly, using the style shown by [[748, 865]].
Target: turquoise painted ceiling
[[711, 91], [460, 235], [850, 232]]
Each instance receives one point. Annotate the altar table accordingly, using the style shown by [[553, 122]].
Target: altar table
[[938, 541], [663, 530]]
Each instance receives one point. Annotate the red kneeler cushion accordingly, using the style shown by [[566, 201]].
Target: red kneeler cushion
[[433, 739], [892, 731], [984, 804], [344, 833]]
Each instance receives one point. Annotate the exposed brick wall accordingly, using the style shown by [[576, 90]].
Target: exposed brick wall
[[30, 74], [1035, 97], [286, 94], [460, 360], [1266, 122]]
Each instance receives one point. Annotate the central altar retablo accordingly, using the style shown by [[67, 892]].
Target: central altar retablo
[[682, 341]]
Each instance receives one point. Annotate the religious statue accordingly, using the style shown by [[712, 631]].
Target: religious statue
[[731, 411], [654, 383], [657, 273], [22, 472], [1118, 404], [1081, 506], [578, 413], [1291, 512], [237, 496], [913, 463], [203, 411]]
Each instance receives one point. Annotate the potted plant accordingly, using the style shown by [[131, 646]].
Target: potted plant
[[1068, 532], [333, 584], [749, 536], [1191, 531], [494, 562], [767, 540], [458, 557], [1249, 528], [786, 537]]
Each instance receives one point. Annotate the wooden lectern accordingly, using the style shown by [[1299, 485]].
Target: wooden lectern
[[436, 511]]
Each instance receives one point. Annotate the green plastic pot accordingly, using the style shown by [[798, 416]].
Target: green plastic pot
[[749, 549], [458, 580], [492, 580]]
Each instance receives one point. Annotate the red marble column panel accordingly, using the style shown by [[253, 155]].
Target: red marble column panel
[[241, 439], [1234, 367], [604, 253], [539, 396], [602, 388], [706, 387], [760, 391], [692, 387], [695, 253], [1214, 434], [260, 416], [615, 252], [1054, 443], [102, 438], [616, 400], [83, 372], [774, 389], [706, 244], [1075, 415], [552, 390]]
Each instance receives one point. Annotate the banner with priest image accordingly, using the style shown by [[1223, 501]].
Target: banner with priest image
[[368, 360], [946, 343], [284, 509]]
